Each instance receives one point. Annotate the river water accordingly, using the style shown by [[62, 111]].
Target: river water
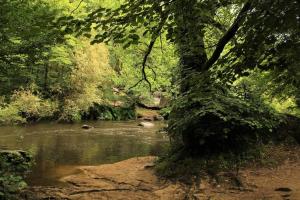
[[59, 148]]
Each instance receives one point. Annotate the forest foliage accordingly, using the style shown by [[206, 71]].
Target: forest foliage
[[229, 68], [48, 74], [224, 63], [221, 46], [61, 75], [14, 166]]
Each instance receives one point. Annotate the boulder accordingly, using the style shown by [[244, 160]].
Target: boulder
[[146, 124], [86, 126], [158, 118], [149, 119]]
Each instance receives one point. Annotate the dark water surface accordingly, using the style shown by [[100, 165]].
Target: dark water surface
[[59, 148]]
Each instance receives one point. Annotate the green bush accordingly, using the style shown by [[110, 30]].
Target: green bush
[[165, 112], [32, 106], [26, 106], [70, 112], [211, 119], [10, 115], [14, 166], [107, 112]]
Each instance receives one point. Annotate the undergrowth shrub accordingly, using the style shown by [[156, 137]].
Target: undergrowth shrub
[[24, 106], [165, 112], [70, 112], [14, 166], [213, 119], [107, 112], [213, 127], [10, 115], [31, 106]]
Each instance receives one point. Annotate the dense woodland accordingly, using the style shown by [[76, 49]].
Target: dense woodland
[[228, 69], [60, 75]]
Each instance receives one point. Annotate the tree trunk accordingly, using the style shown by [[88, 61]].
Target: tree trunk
[[190, 41], [46, 77], [194, 69], [191, 50]]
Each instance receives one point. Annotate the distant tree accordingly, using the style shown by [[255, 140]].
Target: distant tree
[[27, 35]]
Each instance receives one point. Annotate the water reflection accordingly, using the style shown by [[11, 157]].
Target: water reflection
[[59, 148]]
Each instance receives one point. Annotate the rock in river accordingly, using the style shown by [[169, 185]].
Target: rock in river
[[86, 126], [158, 118], [146, 124]]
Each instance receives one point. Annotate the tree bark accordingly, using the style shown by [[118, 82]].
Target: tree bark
[[190, 41], [46, 77], [194, 59]]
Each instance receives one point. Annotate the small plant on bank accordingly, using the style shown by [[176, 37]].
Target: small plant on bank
[[14, 166], [214, 128]]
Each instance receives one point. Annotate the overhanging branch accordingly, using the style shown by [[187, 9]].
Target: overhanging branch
[[155, 35], [77, 7], [228, 35]]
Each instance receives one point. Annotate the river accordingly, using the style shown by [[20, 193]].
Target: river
[[59, 148]]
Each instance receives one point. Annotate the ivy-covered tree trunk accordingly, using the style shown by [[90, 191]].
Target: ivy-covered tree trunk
[[190, 41], [297, 97], [207, 117], [193, 57]]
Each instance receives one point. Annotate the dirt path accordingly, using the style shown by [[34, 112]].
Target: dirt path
[[134, 179]]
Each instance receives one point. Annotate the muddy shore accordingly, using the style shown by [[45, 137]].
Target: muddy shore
[[135, 179]]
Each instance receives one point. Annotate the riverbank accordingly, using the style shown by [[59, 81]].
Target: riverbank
[[58, 148], [135, 179]]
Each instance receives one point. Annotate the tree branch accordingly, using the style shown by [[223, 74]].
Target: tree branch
[[155, 35], [135, 84], [148, 52], [228, 35], [77, 7]]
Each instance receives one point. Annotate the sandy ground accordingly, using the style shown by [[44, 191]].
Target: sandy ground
[[134, 179]]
